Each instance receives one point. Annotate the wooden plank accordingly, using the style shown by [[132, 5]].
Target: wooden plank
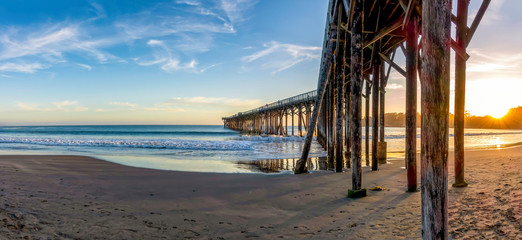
[[435, 92]]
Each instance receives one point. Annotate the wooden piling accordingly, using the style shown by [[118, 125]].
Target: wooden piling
[[299, 124], [460, 93], [321, 85], [367, 123], [375, 107], [436, 38], [293, 113], [339, 82], [331, 120], [355, 95], [411, 105]]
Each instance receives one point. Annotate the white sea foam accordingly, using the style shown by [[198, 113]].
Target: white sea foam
[[153, 144]]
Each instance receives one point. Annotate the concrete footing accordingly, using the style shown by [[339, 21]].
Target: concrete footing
[[381, 152]]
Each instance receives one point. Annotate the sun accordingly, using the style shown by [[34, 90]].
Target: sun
[[498, 112]]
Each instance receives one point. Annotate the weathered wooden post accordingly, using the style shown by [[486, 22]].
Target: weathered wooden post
[[321, 87], [375, 107], [436, 39], [411, 104], [347, 103], [331, 120], [300, 117], [339, 81], [286, 121], [382, 146], [460, 93], [293, 113], [367, 122], [356, 66]]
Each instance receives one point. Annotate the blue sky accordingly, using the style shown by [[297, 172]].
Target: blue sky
[[193, 61]]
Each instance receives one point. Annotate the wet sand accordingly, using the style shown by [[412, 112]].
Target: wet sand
[[71, 197]]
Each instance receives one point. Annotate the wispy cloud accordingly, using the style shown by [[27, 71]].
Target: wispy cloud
[[214, 101], [486, 62], [21, 67], [99, 11], [124, 104], [394, 86], [49, 46], [63, 106], [164, 58], [280, 56], [88, 67], [187, 25]]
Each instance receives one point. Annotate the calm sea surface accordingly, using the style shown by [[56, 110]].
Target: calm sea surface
[[194, 148]]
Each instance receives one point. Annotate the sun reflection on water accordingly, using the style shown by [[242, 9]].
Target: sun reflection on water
[[498, 142]]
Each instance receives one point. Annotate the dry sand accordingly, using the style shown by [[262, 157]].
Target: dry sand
[[69, 197]]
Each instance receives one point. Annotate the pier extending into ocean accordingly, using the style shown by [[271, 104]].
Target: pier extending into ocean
[[268, 119], [360, 42]]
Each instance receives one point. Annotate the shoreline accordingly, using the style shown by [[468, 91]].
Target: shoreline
[[67, 197]]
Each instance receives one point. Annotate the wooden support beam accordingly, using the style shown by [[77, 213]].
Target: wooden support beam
[[339, 83], [367, 123], [375, 108], [476, 21], [293, 113], [460, 94], [347, 103], [355, 95], [459, 50], [411, 105], [409, 10], [384, 31], [300, 121], [392, 64], [330, 120], [435, 89], [382, 101], [321, 85]]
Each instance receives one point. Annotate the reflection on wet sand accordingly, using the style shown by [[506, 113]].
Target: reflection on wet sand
[[281, 165]]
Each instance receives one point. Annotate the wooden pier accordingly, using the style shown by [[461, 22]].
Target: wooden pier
[[272, 119], [360, 42]]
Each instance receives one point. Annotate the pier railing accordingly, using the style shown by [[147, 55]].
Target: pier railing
[[301, 98]]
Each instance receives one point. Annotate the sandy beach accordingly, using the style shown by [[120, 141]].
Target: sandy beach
[[72, 197]]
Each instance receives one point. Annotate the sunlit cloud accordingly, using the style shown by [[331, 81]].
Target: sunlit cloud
[[63, 106], [280, 56], [163, 107], [215, 101], [493, 63], [394, 86], [124, 104]]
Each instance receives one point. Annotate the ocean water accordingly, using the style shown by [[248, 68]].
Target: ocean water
[[195, 148]]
